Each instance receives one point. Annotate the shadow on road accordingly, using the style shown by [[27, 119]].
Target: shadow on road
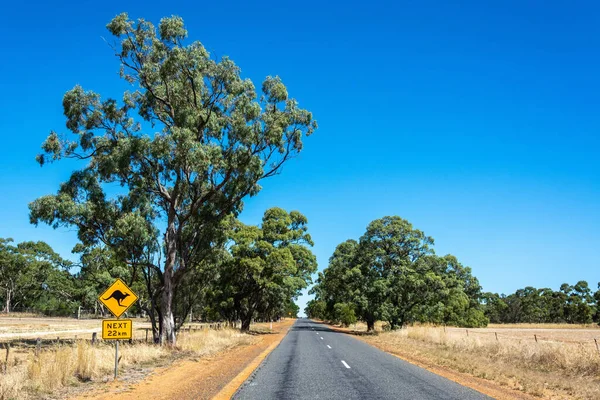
[[310, 328], [331, 328], [253, 332]]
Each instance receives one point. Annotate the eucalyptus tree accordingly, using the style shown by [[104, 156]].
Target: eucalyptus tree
[[457, 298], [98, 268], [186, 145], [340, 282], [269, 266], [396, 281], [315, 309], [33, 276], [393, 275]]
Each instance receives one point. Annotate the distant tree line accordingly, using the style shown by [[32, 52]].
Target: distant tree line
[[392, 274], [33, 276], [253, 273], [572, 304]]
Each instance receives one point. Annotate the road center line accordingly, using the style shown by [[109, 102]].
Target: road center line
[[328, 346], [321, 337], [345, 365]]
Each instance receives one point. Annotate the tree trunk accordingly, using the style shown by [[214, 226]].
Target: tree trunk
[[7, 307], [246, 320], [246, 323], [167, 332], [370, 325]]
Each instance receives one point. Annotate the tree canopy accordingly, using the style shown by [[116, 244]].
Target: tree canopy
[[267, 267], [574, 304], [392, 274], [186, 145], [34, 277]]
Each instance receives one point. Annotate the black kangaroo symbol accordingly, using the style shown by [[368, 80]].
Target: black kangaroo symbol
[[118, 296]]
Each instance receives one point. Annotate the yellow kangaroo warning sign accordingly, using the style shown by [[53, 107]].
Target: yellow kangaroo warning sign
[[118, 298], [114, 329]]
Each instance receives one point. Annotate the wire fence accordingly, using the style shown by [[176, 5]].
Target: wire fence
[[498, 336], [50, 338]]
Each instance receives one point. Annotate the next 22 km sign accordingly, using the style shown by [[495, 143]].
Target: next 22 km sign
[[116, 329]]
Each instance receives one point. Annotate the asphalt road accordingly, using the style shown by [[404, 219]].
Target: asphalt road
[[315, 362]]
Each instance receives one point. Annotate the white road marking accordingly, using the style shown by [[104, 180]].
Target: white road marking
[[321, 337], [328, 346], [345, 365]]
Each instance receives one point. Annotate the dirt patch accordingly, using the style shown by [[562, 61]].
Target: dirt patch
[[192, 379]]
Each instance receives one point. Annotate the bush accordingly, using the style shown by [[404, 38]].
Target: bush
[[344, 313]]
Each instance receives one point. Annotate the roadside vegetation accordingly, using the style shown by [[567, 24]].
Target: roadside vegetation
[[60, 367], [556, 367], [392, 274]]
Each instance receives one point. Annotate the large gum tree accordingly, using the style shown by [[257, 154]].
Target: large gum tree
[[186, 145]]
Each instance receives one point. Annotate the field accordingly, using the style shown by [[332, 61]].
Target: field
[[575, 334], [67, 359], [563, 363], [30, 327]]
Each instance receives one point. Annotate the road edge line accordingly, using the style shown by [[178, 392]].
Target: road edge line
[[232, 387]]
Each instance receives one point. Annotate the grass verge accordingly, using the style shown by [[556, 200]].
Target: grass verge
[[58, 369], [551, 370]]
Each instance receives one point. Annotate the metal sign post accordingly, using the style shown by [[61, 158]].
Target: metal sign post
[[116, 359]]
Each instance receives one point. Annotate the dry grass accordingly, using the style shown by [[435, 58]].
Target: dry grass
[[68, 365], [544, 326], [62, 366], [208, 342], [549, 369], [11, 384]]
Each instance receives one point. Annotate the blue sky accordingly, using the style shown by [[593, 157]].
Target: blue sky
[[476, 121]]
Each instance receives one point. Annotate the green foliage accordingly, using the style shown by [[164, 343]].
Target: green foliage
[[570, 304], [268, 267], [391, 274], [344, 314], [186, 145], [316, 309], [291, 309], [33, 276]]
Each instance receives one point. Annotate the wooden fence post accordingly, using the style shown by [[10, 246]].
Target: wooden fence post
[[597, 348], [467, 332], [94, 334], [535, 337], [7, 354], [38, 346], [146, 335], [496, 333]]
